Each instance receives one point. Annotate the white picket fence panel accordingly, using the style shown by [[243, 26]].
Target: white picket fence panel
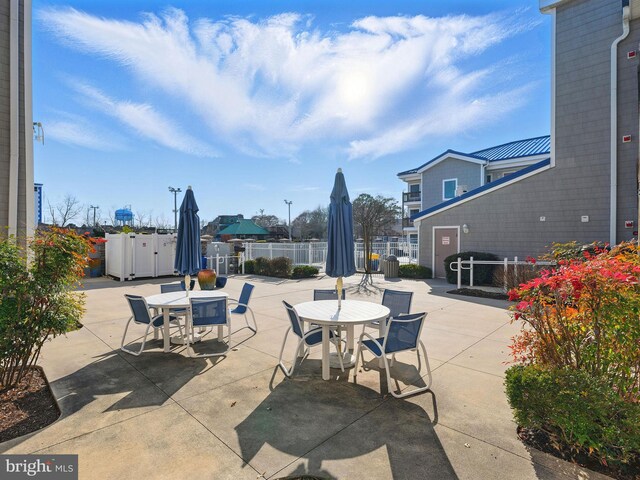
[[315, 253]]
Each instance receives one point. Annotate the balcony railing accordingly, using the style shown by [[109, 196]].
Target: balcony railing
[[407, 222], [411, 197]]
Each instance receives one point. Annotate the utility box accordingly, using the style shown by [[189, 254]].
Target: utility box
[[129, 256], [391, 267]]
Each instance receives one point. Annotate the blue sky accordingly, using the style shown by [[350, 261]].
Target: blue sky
[[252, 102]]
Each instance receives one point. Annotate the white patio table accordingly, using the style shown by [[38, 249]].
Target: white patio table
[[179, 300], [353, 312]]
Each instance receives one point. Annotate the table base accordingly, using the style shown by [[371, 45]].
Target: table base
[[348, 359], [179, 340]]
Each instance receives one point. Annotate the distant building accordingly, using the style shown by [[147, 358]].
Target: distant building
[[37, 202], [277, 232], [244, 229], [220, 223]]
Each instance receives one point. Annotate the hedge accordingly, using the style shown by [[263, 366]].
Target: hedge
[[415, 271], [578, 409], [279, 267], [482, 274], [304, 271]]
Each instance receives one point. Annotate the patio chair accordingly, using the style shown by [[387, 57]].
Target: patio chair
[[242, 307], [207, 312], [306, 340], [221, 282], [402, 334], [142, 316], [397, 302], [319, 294]]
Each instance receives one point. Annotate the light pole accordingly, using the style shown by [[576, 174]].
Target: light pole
[[94, 214], [175, 192], [289, 202]]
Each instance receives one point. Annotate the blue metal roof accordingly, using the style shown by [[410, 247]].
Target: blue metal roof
[[487, 186], [518, 149]]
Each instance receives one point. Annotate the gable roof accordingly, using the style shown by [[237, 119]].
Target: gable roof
[[243, 227], [507, 179], [520, 148], [517, 149]]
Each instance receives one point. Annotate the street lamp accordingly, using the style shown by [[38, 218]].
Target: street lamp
[[94, 214], [175, 192], [289, 202]]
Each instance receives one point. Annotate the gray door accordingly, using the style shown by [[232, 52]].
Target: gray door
[[446, 243]]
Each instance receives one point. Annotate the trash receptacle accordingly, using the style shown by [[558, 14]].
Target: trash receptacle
[[391, 267]]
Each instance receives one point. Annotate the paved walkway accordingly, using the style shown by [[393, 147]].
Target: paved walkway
[[168, 416]]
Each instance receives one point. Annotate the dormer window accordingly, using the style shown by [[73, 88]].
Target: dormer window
[[449, 187]]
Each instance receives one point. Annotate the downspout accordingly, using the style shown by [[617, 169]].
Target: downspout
[[613, 202], [14, 116]]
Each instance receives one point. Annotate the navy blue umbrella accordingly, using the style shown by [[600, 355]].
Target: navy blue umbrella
[[188, 246], [340, 248]]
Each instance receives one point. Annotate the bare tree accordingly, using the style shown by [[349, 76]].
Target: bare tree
[[373, 216], [162, 222], [311, 223], [64, 212], [140, 219]]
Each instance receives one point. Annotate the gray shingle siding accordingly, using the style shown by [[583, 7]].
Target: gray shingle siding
[[467, 174], [25, 186], [507, 221]]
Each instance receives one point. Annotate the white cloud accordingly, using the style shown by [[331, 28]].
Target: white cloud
[[272, 86], [76, 130], [145, 120], [254, 186]]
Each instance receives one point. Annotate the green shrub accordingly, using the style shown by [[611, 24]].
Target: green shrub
[[304, 271], [262, 266], [415, 271], [482, 274], [572, 251], [280, 267], [579, 409], [36, 298], [249, 267]]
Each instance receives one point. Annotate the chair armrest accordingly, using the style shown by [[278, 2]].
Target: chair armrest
[[374, 340]]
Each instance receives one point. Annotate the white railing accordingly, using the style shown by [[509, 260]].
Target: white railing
[[315, 253], [459, 265], [226, 264]]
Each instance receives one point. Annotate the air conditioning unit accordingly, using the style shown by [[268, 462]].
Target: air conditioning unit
[[461, 190]]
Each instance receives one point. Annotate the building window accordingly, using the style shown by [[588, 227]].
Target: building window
[[489, 178], [449, 188], [413, 238], [413, 211], [504, 174], [414, 188]]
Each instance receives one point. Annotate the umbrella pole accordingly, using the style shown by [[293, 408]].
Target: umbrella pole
[[187, 283], [339, 290]]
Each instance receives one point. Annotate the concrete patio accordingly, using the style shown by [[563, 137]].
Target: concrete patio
[[237, 417]]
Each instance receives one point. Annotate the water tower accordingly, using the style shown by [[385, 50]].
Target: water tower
[[124, 216]]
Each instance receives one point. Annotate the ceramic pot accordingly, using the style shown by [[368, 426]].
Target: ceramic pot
[[207, 279]]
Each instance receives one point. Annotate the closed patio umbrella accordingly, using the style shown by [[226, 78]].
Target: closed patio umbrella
[[340, 249], [188, 249]]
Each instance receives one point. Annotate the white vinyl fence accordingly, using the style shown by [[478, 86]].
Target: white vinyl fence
[[315, 253]]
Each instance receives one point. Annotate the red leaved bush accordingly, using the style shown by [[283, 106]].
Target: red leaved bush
[[585, 315]]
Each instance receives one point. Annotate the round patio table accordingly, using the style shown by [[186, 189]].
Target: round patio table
[[353, 312], [179, 301]]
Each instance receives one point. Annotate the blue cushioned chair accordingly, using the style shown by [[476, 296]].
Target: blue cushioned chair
[[306, 340], [397, 302], [242, 307], [402, 334], [208, 312], [192, 284], [141, 315], [319, 294]]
